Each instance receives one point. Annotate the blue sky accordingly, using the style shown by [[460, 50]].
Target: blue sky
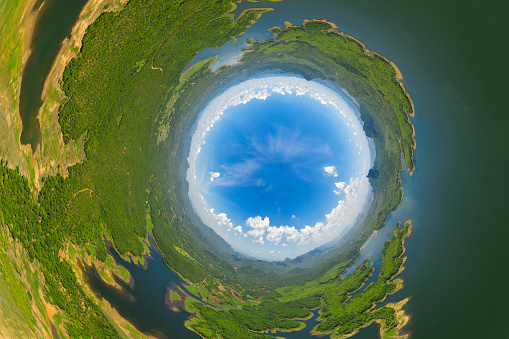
[[278, 166]]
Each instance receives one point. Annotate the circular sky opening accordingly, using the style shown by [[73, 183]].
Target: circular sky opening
[[278, 166]]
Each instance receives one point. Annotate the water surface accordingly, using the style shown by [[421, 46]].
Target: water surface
[[55, 20]]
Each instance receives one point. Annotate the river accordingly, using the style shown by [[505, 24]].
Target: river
[[453, 57], [143, 304], [54, 23]]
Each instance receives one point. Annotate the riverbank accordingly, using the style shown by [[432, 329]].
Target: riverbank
[[18, 24], [17, 21]]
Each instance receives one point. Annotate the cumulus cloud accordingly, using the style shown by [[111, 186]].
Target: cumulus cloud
[[213, 175], [340, 187], [221, 219], [292, 234], [336, 222], [331, 170], [258, 225], [275, 234], [308, 233]]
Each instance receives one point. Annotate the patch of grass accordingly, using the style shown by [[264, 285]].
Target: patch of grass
[[16, 288]]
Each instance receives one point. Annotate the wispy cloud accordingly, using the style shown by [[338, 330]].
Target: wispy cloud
[[282, 145], [259, 241]]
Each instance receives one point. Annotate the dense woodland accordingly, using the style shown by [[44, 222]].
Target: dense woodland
[[107, 193], [312, 53], [125, 94], [343, 312]]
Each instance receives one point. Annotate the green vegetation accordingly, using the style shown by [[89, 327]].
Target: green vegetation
[[119, 270], [174, 295], [9, 278], [344, 312], [39, 224], [107, 76], [141, 49], [345, 315], [134, 143], [13, 41], [316, 51]]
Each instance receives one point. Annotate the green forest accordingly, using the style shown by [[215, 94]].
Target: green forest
[[124, 93]]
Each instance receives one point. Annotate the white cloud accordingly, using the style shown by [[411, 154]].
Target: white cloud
[[336, 222], [258, 225], [331, 170], [213, 175], [340, 187], [221, 219], [309, 234], [276, 234], [292, 234], [259, 241]]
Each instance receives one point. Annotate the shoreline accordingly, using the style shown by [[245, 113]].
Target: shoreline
[[275, 330], [48, 111], [122, 325], [400, 314], [19, 155], [399, 79]]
